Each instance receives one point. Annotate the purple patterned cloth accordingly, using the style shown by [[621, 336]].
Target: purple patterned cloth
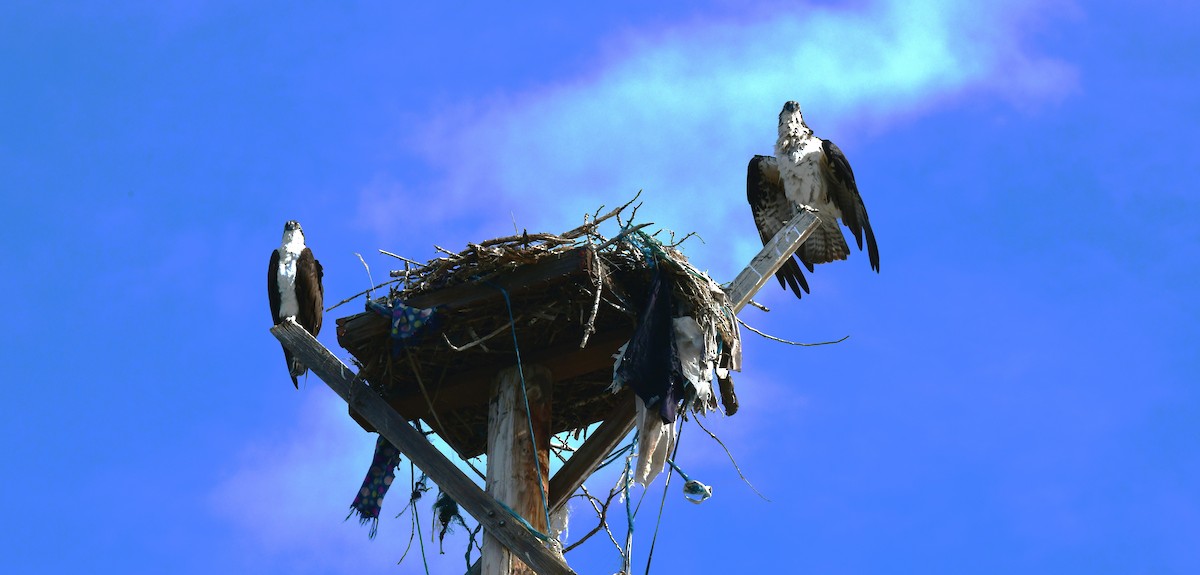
[[409, 324], [379, 478]]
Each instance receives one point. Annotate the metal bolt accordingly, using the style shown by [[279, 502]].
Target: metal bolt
[[491, 513], [502, 523]]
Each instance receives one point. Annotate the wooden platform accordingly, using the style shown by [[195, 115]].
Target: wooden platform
[[544, 303], [551, 302]]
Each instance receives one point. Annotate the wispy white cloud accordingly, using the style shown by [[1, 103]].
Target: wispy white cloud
[[679, 111], [288, 494], [278, 488]]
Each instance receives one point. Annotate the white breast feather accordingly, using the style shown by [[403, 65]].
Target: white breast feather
[[289, 253], [800, 169]]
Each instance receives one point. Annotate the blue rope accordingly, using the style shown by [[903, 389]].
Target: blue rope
[[651, 249], [420, 537], [628, 478], [644, 243], [612, 457], [528, 415], [663, 502], [693, 490], [523, 522], [676, 468]]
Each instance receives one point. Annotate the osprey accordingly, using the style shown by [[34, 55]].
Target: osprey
[[807, 172], [294, 289]]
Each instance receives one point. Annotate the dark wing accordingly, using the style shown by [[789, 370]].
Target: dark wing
[[843, 191], [772, 209], [310, 294], [274, 297], [273, 286]]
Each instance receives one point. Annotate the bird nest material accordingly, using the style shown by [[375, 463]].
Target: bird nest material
[[566, 301]]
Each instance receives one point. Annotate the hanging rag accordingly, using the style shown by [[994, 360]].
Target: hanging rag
[[446, 510], [558, 523], [656, 440], [650, 363], [409, 325], [379, 478], [697, 350]]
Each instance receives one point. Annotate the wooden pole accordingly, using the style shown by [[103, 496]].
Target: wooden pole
[[513, 465], [366, 402]]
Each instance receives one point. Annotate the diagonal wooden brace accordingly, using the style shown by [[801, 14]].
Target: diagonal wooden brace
[[583, 462], [363, 400], [774, 254]]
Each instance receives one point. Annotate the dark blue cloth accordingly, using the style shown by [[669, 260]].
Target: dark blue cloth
[[650, 364]]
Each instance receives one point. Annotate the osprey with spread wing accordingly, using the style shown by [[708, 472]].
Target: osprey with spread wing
[[807, 172]]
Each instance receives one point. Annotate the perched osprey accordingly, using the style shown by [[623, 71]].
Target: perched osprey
[[294, 288], [812, 172]]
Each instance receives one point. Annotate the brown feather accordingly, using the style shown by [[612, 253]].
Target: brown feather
[[771, 210], [843, 192]]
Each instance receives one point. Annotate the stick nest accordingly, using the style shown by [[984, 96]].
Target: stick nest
[[567, 301]]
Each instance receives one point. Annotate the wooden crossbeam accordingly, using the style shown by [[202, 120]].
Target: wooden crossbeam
[[363, 400], [583, 462], [772, 257]]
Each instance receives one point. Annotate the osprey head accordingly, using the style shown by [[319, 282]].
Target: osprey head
[[292, 231], [791, 121]]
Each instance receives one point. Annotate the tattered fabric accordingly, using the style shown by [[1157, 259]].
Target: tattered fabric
[[698, 355], [445, 509], [650, 364], [409, 324], [375, 485], [656, 441]]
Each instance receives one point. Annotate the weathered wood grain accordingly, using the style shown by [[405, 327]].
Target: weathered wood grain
[[565, 361], [514, 466], [771, 258]]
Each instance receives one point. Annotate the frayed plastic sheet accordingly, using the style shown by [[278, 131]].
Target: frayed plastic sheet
[[697, 358], [558, 523], [656, 440]]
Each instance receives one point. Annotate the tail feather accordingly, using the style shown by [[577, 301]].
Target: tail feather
[[296, 369], [825, 245], [790, 276]]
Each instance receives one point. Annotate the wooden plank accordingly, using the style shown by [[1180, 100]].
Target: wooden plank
[[362, 399], [583, 462], [366, 327], [565, 361], [514, 466], [771, 258]]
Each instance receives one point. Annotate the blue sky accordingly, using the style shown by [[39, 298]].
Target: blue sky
[[1018, 393]]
